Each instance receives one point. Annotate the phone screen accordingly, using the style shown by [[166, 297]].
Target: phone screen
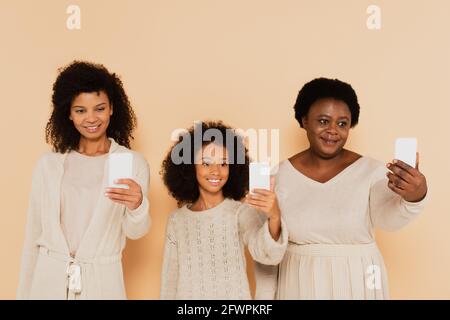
[[259, 176], [405, 150], [120, 167]]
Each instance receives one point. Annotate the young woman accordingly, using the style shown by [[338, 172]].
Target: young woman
[[77, 225], [205, 238], [332, 200]]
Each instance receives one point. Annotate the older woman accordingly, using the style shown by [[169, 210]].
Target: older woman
[[332, 200]]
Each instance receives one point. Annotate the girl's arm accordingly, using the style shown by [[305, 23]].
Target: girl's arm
[[255, 233]]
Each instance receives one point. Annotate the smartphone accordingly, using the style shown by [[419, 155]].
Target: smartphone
[[405, 150], [120, 167], [259, 175]]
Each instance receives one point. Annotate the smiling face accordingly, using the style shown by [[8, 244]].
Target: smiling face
[[90, 114], [327, 126], [213, 170]]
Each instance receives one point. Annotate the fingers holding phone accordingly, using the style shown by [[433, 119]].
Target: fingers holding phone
[[266, 201], [404, 177], [131, 197], [122, 188], [261, 186]]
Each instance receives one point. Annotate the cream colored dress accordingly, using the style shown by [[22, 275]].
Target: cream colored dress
[[332, 252], [46, 254], [204, 251]]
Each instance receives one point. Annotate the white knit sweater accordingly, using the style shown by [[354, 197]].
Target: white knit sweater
[[204, 251]]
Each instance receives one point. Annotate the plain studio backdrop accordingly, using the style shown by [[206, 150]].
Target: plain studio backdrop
[[242, 62]]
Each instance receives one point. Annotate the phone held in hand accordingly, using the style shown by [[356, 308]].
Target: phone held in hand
[[405, 150], [120, 167], [259, 175]]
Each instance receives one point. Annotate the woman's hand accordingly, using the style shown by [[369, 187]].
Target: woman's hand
[[406, 181], [131, 198], [266, 201]]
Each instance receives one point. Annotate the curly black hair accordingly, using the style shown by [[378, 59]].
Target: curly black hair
[[326, 88], [180, 179], [85, 77]]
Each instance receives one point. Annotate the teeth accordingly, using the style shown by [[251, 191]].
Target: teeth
[[213, 180]]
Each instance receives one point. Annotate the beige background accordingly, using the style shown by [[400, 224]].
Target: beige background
[[242, 62]]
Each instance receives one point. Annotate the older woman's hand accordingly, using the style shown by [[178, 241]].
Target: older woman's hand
[[406, 181]]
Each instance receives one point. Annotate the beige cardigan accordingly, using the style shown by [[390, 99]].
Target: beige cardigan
[[46, 255]]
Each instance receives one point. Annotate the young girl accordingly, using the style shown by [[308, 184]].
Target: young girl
[[76, 226], [205, 237]]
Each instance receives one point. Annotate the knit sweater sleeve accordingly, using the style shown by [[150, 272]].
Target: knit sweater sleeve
[[254, 230]]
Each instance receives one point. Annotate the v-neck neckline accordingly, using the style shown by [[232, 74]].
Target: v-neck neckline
[[329, 181]]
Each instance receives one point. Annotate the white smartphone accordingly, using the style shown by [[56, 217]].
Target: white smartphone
[[405, 150], [120, 167], [259, 175]]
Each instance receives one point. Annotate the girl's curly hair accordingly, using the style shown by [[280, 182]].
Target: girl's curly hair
[[180, 178], [85, 77]]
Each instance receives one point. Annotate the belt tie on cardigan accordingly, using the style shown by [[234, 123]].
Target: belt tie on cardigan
[[76, 268]]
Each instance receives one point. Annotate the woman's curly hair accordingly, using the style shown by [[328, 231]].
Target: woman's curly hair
[[180, 176], [85, 77]]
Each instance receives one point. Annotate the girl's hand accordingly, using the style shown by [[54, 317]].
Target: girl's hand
[[131, 198], [265, 201], [406, 181]]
